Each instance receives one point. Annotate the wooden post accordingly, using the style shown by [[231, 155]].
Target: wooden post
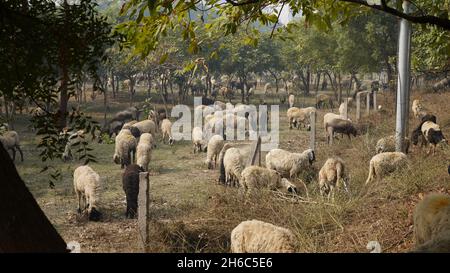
[[254, 151], [312, 141], [358, 104], [368, 103], [143, 209], [375, 100], [346, 108]]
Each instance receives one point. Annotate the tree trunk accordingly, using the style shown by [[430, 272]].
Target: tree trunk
[[64, 97], [105, 103], [24, 226], [113, 85], [317, 82]]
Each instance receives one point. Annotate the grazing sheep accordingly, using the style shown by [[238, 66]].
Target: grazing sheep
[[441, 84], [73, 139], [125, 145], [330, 174], [328, 117], [215, 145], [197, 140], [134, 130], [144, 150], [130, 185], [339, 126], [418, 109], [219, 105], [10, 141], [430, 133], [146, 126], [387, 144], [112, 127], [323, 99], [432, 223], [86, 183], [385, 163], [291, 100], [232, 161], [255, 177], [374, 247], [297, 116], [166, 130], [129, 124], [288, 164], [259, 237]]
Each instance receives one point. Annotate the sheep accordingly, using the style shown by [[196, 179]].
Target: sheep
[[432, 223], [299, 115], [339, 126], [129, 124], [197, 140], [330, 116], [255, 236], [215, 145], [219, 105], [86, 183], [125, 145], [418, 109], [232, 161], [73, 139], [430, 133], [288, 164], [166, 129], [144, 150], [291, 100], [130, 185], [146, 126], [387, 144], [385, 163], [255, 177], [111, 128], [323, 99], [332, 172], [10, 141]]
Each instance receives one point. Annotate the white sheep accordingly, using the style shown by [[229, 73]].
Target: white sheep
[[129, 124], [432, 223], [255, 177], [418, 109], [73, 139], [10, 141], [215, 145], [146, 126], [385, 163], [197, 139], [330, 175], [297, 115], [260, 237], [289, 164], [387, 144], [267, 88], [166, 131], [86, 184], [232, 162], [125, 145], [144, 150], [291, 100]]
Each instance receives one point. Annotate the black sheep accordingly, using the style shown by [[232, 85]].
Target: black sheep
[[130, 183]]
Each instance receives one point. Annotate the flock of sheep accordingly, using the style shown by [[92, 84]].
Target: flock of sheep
[[135, 141]]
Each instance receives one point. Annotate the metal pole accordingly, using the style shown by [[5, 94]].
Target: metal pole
[[404, 46]]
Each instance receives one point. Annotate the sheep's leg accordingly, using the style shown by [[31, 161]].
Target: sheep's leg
[[13, 154], [79, 202]]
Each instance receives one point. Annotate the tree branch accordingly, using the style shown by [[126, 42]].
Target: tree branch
[[426, 19], [236, 4]]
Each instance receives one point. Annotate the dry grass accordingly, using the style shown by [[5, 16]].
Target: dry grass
[[191, 213]]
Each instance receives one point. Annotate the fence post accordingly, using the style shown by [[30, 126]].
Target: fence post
[[358, 106], [368, 103], [375, 100], [312, 140], [143, 209], [255, 150]]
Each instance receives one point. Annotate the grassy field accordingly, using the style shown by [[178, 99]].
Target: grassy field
[[190, 212]]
